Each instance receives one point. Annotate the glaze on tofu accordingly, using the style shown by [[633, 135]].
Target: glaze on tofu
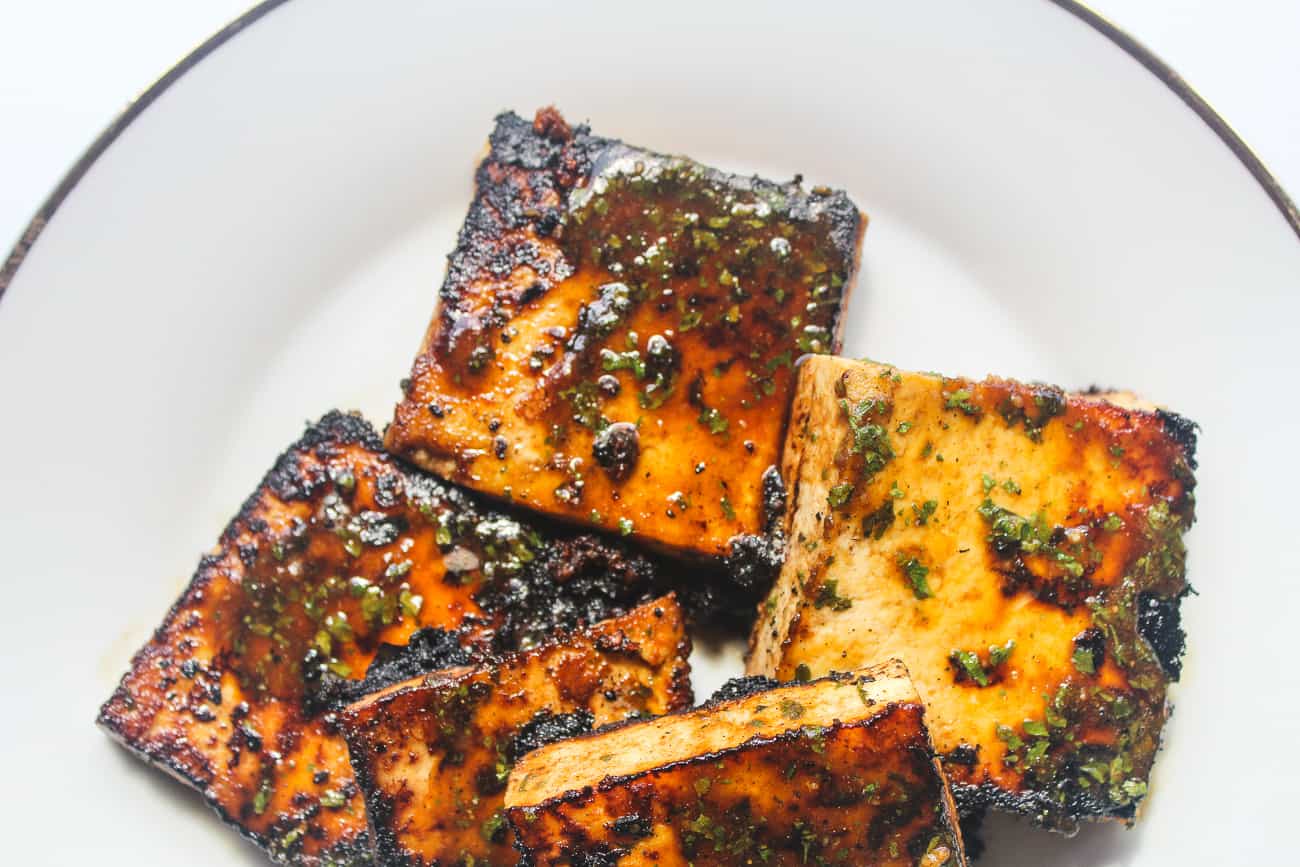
[[432, 754], [1019, 548], [835, 771], [343, 562], [616, 337]]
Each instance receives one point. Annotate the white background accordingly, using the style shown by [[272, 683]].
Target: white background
[[67, 67]]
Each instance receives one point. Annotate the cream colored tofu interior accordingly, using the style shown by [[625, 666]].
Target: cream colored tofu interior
[[584, 761]]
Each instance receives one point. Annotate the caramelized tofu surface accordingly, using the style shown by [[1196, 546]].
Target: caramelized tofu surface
[[616, 335], [836, 771], [1019, 548], [432, 755], [339, 555]]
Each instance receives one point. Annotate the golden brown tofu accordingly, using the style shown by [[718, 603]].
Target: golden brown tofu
[[836, 771], [617, 332], [1020, 549], [340, 555], [432, 754]]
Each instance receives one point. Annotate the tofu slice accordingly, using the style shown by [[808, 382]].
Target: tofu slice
[[1019, 548], [836, 771], [432, 754], [616, 336], [339, 555]]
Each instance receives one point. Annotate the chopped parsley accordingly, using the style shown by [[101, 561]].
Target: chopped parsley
[[961, 399], [915, 572], [828, 597], [714, 420], [869, 439], [1084, 661], [839, 495], [791, 709]]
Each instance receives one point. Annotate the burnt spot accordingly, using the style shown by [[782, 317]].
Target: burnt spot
[[571, 581], [616, 449], [547, 728], [598, 318], [1033, 410], [753, 563], [741, 687], [1183, 431], [662, 360], [632, 825], [1160, 624], [965, 755], [774, 499]]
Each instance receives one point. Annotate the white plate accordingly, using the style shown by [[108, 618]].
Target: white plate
[[265, 240]]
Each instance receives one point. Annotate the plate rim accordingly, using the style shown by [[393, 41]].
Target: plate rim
[[1118, 36]]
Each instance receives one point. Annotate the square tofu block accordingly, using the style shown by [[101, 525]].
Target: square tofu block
[[836, 771], [616, 335], [432, 754], [338, 555], [1019, 548]]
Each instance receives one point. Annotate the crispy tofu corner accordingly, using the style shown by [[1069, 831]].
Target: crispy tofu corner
[[1018, 547], [616, 335], [835, 771]]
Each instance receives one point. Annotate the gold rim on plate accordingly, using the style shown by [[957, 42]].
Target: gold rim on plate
[[1131, 46]]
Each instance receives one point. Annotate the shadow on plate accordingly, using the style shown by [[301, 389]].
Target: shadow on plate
[[1010, 842]]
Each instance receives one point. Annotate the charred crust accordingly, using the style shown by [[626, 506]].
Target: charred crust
[[774, 500], [429, 649], [741, 687], [547, 728], [964, 755], [1183, 431], [1061, 812], [1160, 625], [291, 480], [572, 582]]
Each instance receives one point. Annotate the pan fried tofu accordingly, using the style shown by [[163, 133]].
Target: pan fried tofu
[[617, 332], [343, 562], [1019, 548], [432, 754], [835, 771]]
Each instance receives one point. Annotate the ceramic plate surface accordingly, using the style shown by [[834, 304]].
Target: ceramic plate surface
[[265, 240]]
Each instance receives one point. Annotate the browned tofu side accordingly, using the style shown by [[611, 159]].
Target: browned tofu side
[[432, 755], [1019, 548], [340, 554], [617, 332], [837, 771]]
